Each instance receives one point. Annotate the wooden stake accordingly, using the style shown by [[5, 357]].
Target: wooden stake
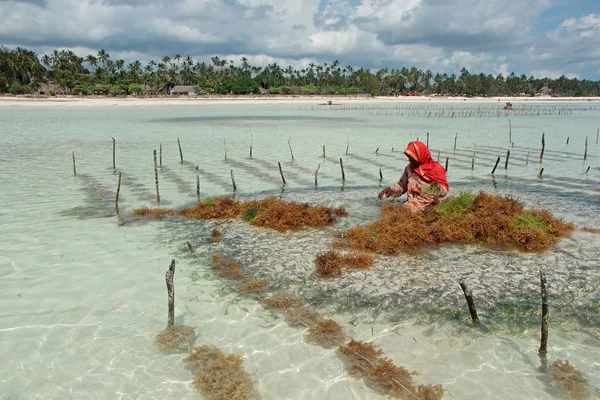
[[156, 179], [323, 151], [377, 151], [509, 131], [544, 338], [527, 159], [348, 145], [290, 146], [117, 197], [541, 172], [588, 169], [568, 140], [543, 147], [343, 173], [197, 182], [180, 152], [225, 144], [233, 181], [597, 134], [438, 156], [585, 152], [427, 139], [455, 137], [469, 297], [114, 150], [251, 139], [473, 159], [380, 174], [74, 169], [507, 157], [446, 167], [281, 173], [496, 166], [161, 155], [190, 248], [171, 293], [316, 173]]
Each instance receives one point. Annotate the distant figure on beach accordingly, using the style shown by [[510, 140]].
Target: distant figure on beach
[[424, 180]]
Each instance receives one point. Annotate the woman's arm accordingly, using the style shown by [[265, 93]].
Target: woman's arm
[[397, 189]]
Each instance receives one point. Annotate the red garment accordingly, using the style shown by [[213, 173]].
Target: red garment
[[428, 169]]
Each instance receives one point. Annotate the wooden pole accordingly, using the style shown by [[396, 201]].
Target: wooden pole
[[428, 139], [509, 131], [281, 173], [446, 167], [543, 147], [74, 169], [197, 182], [348, 145], [377, 151], [156, 179], [496, 166], [380, 174], [180, 152], [171, 293], [597, 135], [114, 151], [161, 155], [190, 248], [473, 159], [225, 144], [343, 173], [251, 139], [585, 151], [544, 337], [290, 146], [527, 159], [507, 157], [117, 197], [316, 173], [541, 172], [455, 137], [438, 156], [469, 297], [588, 169], [568, 140], [233, 180], [323, 151]]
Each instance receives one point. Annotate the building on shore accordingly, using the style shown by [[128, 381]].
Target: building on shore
[[183, 91]]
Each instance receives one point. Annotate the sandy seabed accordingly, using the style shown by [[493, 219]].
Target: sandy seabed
[[76, 101]]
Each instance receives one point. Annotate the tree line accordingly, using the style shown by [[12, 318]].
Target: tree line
[[22, 71]]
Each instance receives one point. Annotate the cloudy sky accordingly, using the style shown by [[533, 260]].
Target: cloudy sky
[[534, 37]]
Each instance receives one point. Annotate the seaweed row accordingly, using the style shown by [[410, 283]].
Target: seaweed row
[[467, 218], [270, 212], [569, 380], [330, 263], [382, 372]]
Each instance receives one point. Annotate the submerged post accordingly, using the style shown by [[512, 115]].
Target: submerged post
[[290, 146], [543, 147], [233, 181], [380, 174], [544, 338], [156, 179], [251, 140], [317, 173], [469, 297], [427, 139], [74, 169], [281, 173], [588, 169], [496, 166], [343, 173], [585, 151], [117, 197], [568, 139], [180, 152], [323, 151], [225, 144], [597, 135], [455, 137], [473, 159], [507, 157], [197, 183], [446, 166], [348, 144], [190, 248], [171, 293], [114, 151], [377, 151], [541, 172], [161, 155], [509, 131], [527, 159]]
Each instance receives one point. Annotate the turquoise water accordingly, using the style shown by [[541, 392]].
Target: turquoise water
[[83, 291]]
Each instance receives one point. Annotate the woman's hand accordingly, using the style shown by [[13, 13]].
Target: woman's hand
[[385, 193]]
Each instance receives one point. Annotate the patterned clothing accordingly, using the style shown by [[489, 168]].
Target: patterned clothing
[[421, 192]]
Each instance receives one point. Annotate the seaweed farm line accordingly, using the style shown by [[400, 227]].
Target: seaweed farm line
[[83, 287]]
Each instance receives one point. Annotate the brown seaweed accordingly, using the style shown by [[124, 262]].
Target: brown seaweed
[[393, 380], [358, 260], [302, 317], [360, 357], [227, 267], [569, 380], [282, 301], [216, 235], [253, 286], [176, 337], [327, 334], [153, 212], [329, 264]]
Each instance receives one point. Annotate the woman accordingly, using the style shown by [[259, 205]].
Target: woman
[[424, 180]]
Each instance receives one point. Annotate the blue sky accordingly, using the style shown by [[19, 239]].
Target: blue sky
[[532, 37]]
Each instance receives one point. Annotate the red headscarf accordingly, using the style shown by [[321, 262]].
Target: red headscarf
[[428, 169]]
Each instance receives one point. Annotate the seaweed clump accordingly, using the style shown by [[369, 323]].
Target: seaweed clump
[[302, 317], [327, 334], [282, 301], [253, 286], [227, 267], [366, 361], [153, 212], [219, 376], [216, 235], [329, 264], [466, 218], [271, 212], [569, 380], [176, 337]]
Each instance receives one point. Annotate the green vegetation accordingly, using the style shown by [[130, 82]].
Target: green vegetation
[[457, 205], [21, 71], [529, 220]]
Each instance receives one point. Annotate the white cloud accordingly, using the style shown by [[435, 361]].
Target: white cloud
[[552, 73]]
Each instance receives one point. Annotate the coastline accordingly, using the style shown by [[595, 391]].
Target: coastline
[[131, 101]]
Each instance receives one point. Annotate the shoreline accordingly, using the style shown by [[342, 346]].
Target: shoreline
[[91, 101]]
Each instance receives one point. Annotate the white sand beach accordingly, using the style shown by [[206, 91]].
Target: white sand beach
[[92, 101]]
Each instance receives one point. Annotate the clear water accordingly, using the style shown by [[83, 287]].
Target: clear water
[[83, 291]]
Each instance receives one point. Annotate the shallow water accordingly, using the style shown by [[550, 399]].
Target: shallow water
[[83, 291]]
